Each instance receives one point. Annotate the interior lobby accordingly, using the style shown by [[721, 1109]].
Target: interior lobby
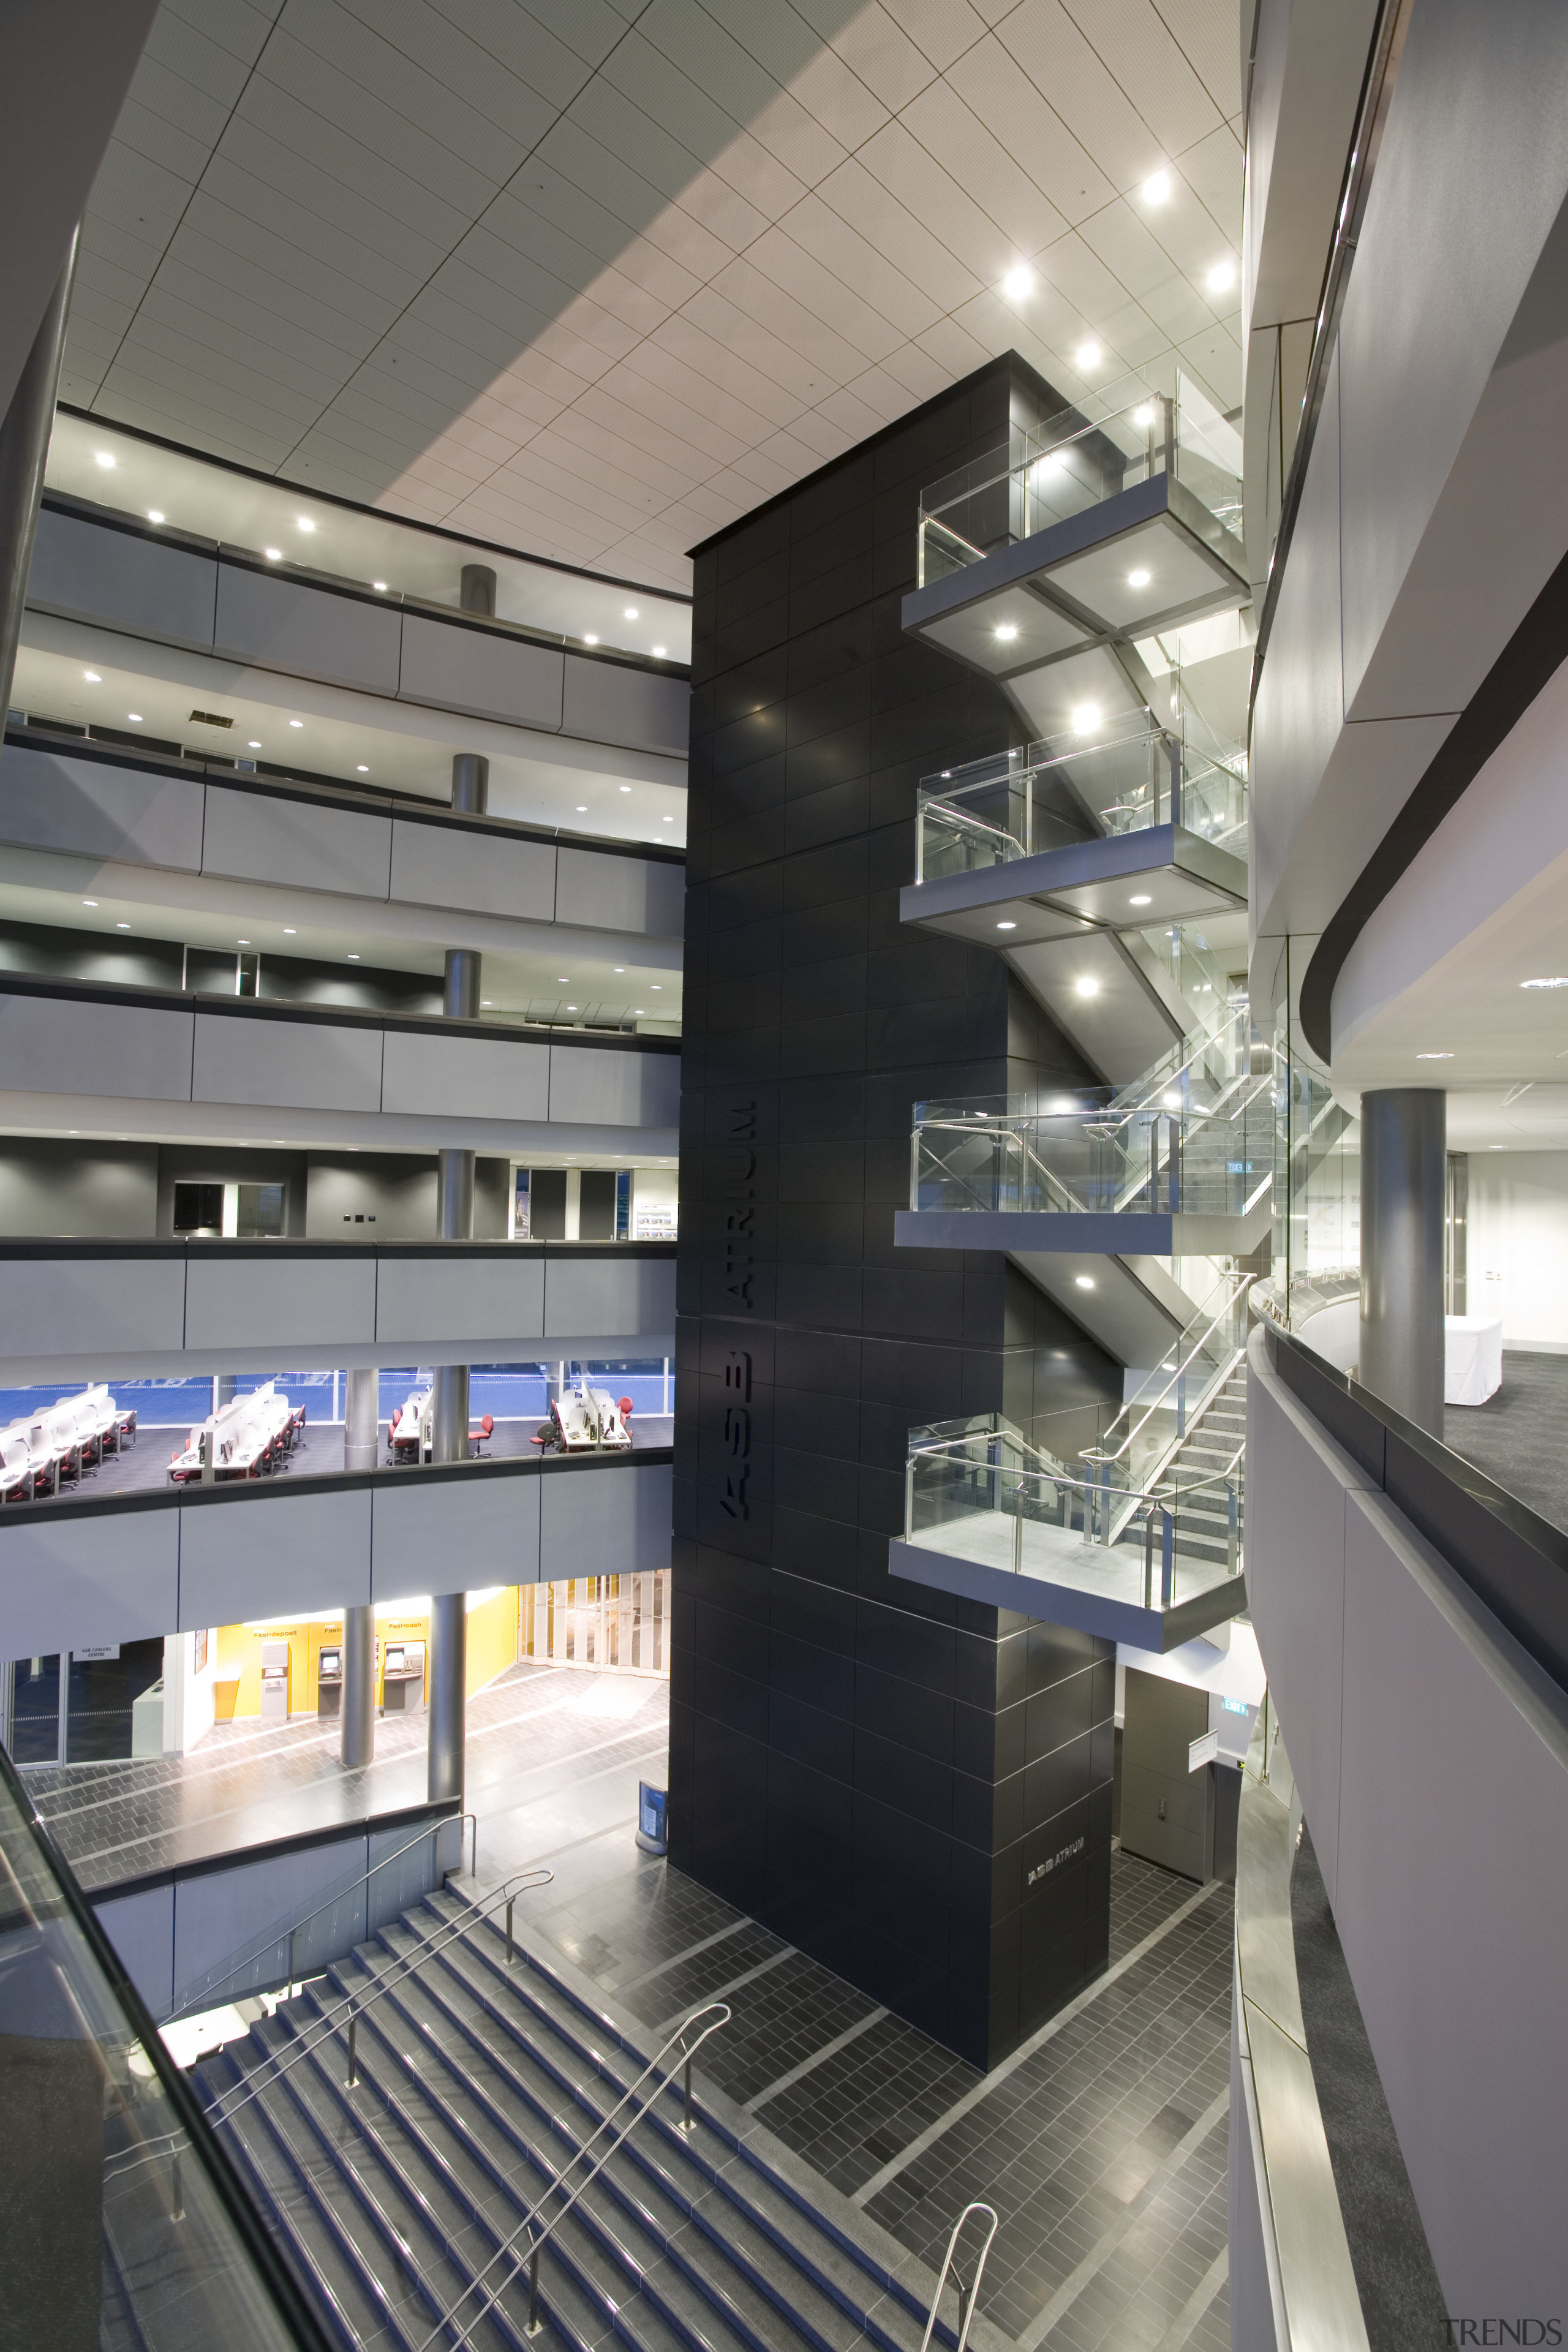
[[782, 1555]]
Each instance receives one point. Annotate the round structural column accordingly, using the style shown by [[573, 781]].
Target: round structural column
[[1404, 1144], [448, 1673], [460, 985], [470, 784], [361, 1420], [477, 588], [358, 1747]]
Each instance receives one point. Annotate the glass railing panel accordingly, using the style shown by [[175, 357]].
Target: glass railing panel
[[144, 2234], [1074, 463]]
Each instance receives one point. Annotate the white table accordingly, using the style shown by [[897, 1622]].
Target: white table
[[1472, 1359]]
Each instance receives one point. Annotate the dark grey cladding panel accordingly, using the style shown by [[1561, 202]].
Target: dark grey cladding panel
[[860, 1761]]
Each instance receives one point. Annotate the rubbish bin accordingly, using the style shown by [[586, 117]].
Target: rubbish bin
[[653, 1806]]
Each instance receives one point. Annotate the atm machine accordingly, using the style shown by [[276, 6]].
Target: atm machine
[[275, 1682], [403, 1683], [329, 1682]]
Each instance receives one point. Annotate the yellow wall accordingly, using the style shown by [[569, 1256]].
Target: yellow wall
[[491, 1648]]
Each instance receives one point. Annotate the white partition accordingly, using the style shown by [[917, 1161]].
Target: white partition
[[140, 1926], [609, 704], [297, 1551], [430, 1302], [88, 808], [483, 872], [608, 1295], [65, 1581], [610, 1523], [465, 1077], [470, 1531], [264, 838], [54, 1044], [91, 1306], [146, 585], [632, 894], [303, 1064], [480, 672], [264, 1302], [309, 632], [613, 1090]]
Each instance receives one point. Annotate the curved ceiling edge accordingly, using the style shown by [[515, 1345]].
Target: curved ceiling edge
[[1536, 649]]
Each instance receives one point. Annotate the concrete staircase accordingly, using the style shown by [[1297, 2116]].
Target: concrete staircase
[[478, 2084]]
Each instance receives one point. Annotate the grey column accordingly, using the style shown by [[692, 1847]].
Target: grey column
[[470, 784], [1403, 1134], [358, 1745], [361, 1420], [224, 1387], [24, 446], [448, 1666], [477, 588], [460, 985]]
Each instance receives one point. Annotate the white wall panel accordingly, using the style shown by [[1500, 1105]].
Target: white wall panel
[[486, 675], [616, 1296], [53, 1045], [136, 584], [613, 1089], [251, 1302], [439, 865], [631, 894], [606, 704], [310, 1065], [92, 1306], [465, 1077], [66, 1582], [428, 1301], [141, 1929], [282, 624], [264, 839], [51, 802], [295, 1552], [608, 1525], [451, 1534]]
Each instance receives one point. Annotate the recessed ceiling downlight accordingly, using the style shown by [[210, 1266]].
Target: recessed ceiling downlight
[[1087, 986], [1557, 980], [1005, 632], [1084, 1281], [1434, 1057]]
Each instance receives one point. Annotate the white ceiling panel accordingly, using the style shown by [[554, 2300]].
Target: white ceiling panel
[[599, 277]]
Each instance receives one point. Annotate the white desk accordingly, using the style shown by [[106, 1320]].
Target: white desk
[[1472, 1359]]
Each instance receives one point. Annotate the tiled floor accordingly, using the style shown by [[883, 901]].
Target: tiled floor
[[1102, 2142]]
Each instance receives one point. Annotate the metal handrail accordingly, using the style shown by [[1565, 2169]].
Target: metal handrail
[[968, 2297], [719, 2013], [265, 1943], [1178, 1371]]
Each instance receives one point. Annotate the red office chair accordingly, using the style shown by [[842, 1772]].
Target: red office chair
[[625, 1408], [477, 1437]]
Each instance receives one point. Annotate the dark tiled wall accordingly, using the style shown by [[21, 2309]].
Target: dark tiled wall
[[913, 1789]]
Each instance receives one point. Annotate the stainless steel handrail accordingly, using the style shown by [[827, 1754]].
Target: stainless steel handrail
[[265, 1943], [719, 2014], [968, 2297], [1179, 1372]]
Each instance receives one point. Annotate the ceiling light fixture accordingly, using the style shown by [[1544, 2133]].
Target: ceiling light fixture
[[1556, 982], [1005, 632], [296, 722], [582, 808], [659, 652], [1018, 284], [362, 770], [657, 987], [564, 978], [290, 931], [620, 966], [1221, 277], [1007, 927], [590, 639], [1088, 355], [1139, 901], [122, 927], [1138, 579], [353, 956], [253, 747], [134, 716], [154, 515], [94, 678], [1145, 415], [89, 902], [1087, 986], [105, 459], [625, 788], [1084, 1281], [305, 523], [242, 943], [273, 554], [487, 1001], [1157, 188], [380, 587], [1434, 1057], [1086, 718], [639, 1012], [630, 614]]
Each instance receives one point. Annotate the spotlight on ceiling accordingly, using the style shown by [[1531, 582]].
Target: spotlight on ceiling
[[1087, 355], [1007, 927], [1005, 632], [1157, 188], [1221, 277], [1140, 901], [1087, 986], [1084, 1281], [154, 514], [1556, 982], [1138, 579], [1434, 1057], [1086, 718], [106, 461], [1018, 284]]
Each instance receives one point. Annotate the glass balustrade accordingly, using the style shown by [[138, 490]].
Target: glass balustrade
[[1158, 1416], [1169, 1150], [1121, 777], [124, 2224], [984, 1495], [1077, 461]]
